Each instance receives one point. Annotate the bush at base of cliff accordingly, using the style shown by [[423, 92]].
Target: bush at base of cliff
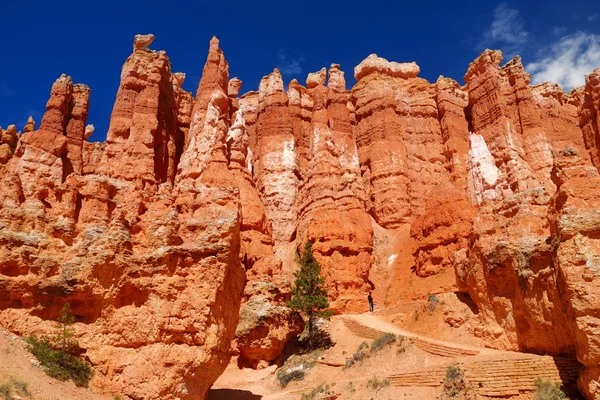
[[59, 365], [546, 390], [454, 383]]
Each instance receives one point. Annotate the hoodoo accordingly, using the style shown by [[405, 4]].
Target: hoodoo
[[174, 241]]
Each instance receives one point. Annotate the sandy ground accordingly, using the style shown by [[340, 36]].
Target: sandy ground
[[351, 383], [17, 364], [414, 319]]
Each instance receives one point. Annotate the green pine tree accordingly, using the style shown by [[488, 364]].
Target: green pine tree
[[64, 338], [308, 294]]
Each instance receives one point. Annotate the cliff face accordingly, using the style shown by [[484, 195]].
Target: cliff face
[[154, 283], [174, 240]]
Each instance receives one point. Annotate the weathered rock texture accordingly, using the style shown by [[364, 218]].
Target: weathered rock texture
[[153, 280], [185, 221]]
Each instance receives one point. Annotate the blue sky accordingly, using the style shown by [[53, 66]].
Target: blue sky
[[558, 40]]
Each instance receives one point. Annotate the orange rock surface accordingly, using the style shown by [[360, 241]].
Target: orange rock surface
[[154, 284], [174, 240]]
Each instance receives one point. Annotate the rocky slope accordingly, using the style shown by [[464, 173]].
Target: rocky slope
[[174, 240]]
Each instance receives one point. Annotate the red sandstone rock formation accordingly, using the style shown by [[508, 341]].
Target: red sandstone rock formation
[[148, 234], [266, 324], [145, 138], [331, 196], [154, 284], [399, 139], [8, 142], [589, 116], [276, 168]]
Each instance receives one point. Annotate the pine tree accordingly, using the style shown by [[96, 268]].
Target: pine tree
[[63, 339], [308, 294]]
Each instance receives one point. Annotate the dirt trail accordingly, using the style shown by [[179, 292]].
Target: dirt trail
[[375, 322]]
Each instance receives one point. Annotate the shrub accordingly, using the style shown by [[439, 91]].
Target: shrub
[[454, 383], [375, 383], [382, 340], [569, 151], [546, 390], [21, 388], [432, 302], [403, 344], [5, 391], [62, 366], [294, 375], [313, 394], [358, 355]]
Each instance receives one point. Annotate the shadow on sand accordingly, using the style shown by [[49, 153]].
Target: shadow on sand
[[232, 394]]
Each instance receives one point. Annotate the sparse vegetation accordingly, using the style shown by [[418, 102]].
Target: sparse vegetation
[[358, 355], [454, 383], [351, 387], [21, 387], [546, 390], [295, 375], [5, 391], [377, 384], [308, 293], [432, 302], [313, 394], [523, 278], [569, 151], [58, 365], [117, 397], [383, 340], [403, 343], [295, 367], [57, 356]]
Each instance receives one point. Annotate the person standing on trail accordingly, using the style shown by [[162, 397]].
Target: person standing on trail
[[370, 298]]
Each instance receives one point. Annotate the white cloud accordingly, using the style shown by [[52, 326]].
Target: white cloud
[[567, 61], [507, 30], [559, 30], [508, 26], [592, 17], [289, 66]]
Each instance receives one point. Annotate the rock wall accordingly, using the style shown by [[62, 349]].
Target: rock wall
[[174, 240], [154, 283]]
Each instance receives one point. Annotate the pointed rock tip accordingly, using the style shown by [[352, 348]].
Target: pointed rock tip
[[214, 44], [141, 42]]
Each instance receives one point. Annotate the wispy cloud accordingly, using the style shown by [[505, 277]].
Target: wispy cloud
[[592, 17], [506, 31], [567, 61], [289, 66], [559, 30], [6, 91]]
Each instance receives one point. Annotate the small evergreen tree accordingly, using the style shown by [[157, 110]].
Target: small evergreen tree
[[308, 294], [64, 338]]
